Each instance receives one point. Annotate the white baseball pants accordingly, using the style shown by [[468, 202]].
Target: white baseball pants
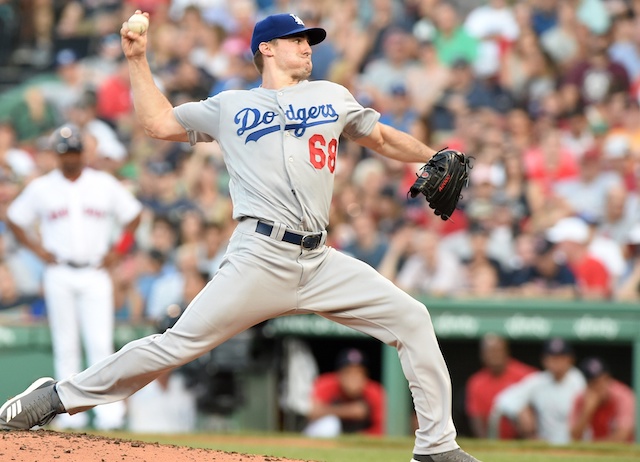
[[80, 312]]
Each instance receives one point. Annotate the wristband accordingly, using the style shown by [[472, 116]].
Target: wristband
[[125, 243]]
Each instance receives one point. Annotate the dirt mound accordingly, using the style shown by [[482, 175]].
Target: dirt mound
[[49, 446]]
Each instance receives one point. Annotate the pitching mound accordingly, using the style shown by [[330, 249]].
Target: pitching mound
[[49, 446]]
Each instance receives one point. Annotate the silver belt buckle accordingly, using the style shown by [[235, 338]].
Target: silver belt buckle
[[311, 241]]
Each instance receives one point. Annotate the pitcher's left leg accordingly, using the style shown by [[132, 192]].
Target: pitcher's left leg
[[352, 293]]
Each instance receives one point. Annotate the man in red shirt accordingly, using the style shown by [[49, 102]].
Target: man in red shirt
[[605, 411], [572, 236], [500, 370], [347, 401]]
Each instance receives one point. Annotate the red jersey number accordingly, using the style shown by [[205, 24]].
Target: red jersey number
[[322, 153]]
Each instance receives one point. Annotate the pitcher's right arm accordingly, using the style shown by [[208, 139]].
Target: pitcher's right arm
[[153, 109]]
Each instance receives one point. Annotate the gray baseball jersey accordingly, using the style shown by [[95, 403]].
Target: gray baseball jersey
[[280, 146]]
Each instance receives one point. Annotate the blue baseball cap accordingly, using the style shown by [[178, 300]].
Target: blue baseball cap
[[350, 357], [284, 25]]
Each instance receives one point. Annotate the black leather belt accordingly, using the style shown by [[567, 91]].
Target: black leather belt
[[75, 264], [306, 241]]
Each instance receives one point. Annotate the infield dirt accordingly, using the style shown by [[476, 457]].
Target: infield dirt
[[49, 446]]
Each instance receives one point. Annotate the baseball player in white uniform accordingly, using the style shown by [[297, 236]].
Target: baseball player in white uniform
[[75, 209], [280, 143]]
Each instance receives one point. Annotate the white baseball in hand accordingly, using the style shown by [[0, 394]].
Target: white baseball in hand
[[138, 23]]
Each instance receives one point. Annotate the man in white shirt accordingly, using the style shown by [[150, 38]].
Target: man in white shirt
[[75, 209], [541, 403]]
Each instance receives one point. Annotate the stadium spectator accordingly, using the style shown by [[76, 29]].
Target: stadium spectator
[[422, 97], [621, 212], [629, 288], [541, 273], [605, 249], [104, 62], [465, 92], [577, 136], [547, 161], [109, 153], [524, 70], [541, 404], [562, 41], [379, 18], [212, 248], [14, 161], [167, 200], [349, 36], [66, 85], [494, 25], [113, 94], [241, 73], [22, 266], [605, 410], [382, 74], [167, 289], [593, 280], [587, 193], [521, 196], [29, 112], [480, 255], [595, 78], [160, 235], [398, 111], [451, 40], [367, 244], [543, 15], [499, 370], [623, 48], [149, 268], [428, 269], [191, 228], [620, 147], [347, 400]]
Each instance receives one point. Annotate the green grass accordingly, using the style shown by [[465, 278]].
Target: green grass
[[361, 449]]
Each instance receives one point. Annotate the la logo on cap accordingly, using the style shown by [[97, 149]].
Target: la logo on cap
[[296, 19]]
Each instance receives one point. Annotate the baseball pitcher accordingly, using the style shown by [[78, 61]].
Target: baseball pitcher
[[280, 144]]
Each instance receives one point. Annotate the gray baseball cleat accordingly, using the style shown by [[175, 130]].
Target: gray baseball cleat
[[457, 455], [36, 406]]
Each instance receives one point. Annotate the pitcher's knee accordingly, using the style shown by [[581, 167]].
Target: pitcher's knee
[[417, 314]]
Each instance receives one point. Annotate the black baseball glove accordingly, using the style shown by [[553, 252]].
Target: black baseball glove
[[441, 179]]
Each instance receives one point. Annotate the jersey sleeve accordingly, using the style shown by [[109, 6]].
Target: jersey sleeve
[[126, 207], [201, 119], [516, 397], [359, 120], [23, 211]]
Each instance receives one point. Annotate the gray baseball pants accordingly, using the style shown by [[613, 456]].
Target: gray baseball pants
[[262, 278]]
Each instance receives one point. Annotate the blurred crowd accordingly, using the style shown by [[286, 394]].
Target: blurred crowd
[[545, 95]]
